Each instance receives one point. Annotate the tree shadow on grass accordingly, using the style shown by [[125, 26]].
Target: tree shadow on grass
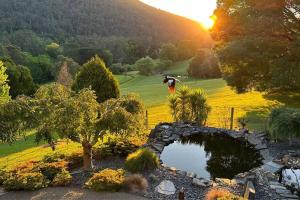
[[288, 99], [19, 145], [257, 119]]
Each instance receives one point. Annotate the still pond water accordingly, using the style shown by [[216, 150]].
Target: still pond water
[[211, 157]]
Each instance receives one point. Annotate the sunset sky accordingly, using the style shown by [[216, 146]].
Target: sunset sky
[[199, 10]]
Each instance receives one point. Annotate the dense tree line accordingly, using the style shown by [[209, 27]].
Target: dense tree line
[[259, 44], [62, 19], [204, 65]]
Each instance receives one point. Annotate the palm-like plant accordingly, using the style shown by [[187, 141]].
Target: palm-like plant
[[189, 105], [199, 106], [173, 106]]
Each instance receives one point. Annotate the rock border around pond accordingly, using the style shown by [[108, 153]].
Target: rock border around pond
[[264, 178]]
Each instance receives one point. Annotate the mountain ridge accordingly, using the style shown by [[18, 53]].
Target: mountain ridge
[[69, 18]]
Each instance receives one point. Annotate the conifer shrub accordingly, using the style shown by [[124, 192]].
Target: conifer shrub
[[114, 148], [63, 178], [141, 160], [25, 181], [3, 175], [55, 157], [51, 170], [107, 180], [96, 75], [35, 175]]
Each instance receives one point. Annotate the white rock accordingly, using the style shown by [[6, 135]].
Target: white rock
[[173, 169], [165, 126], [191, 174], [198, 182], [166, 187]]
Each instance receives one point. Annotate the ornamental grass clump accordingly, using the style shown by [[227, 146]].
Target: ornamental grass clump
[[136, 183], [141, 160], [107, 180]]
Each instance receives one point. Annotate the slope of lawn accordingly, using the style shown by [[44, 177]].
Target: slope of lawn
[[254, 106], [179, 68]]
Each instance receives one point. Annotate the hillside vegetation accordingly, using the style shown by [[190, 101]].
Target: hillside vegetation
[[60, 19]]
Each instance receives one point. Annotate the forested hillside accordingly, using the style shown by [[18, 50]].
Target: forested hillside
[[38, 38], [61, 19]]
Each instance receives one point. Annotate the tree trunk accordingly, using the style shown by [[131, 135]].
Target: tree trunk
[[87, 156]]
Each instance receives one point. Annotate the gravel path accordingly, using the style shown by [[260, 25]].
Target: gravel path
[[64, 193]]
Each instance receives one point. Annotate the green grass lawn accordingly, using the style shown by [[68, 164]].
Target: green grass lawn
[[154, 94], [179, 68], [254, 106]]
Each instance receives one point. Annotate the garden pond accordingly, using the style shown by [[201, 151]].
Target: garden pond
[[211, 156]]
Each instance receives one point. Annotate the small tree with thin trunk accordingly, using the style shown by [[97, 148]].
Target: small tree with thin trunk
[[57, 112], [77, 119]]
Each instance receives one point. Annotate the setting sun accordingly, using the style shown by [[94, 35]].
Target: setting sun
[[198, 10]]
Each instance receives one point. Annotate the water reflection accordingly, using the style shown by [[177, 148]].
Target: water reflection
[[211, 156]]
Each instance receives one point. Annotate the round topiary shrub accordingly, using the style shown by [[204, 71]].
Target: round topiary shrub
[[141, 160], [107, 180]]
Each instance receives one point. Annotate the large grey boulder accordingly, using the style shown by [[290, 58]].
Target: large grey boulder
[[166, 187]]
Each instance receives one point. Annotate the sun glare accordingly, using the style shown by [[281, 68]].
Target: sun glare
[[198, 10]]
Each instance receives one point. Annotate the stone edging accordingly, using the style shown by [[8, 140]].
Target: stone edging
[[263, 176]]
